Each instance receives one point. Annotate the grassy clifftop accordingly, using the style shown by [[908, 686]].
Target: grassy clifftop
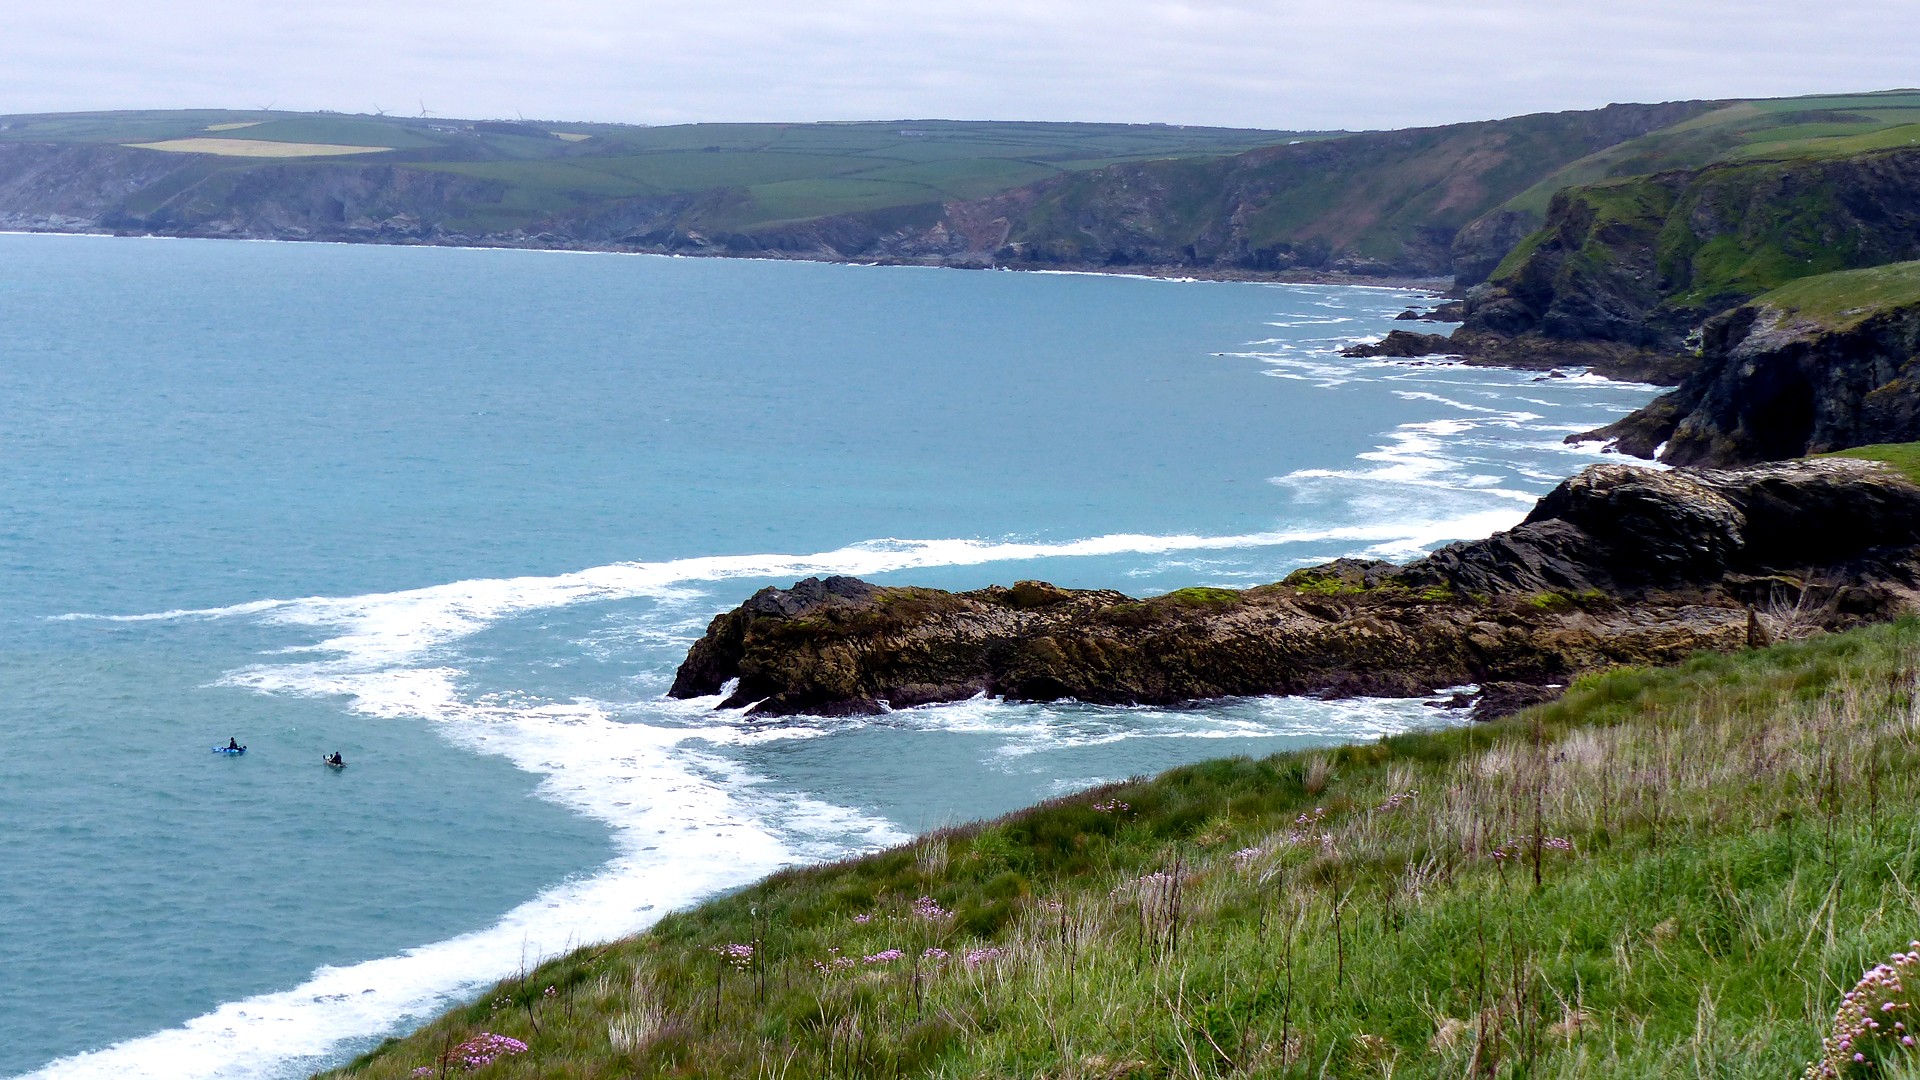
[[1781, 129], [1666, 872], [1843, 300]]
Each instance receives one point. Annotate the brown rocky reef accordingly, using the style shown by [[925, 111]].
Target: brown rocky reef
[[1617, 565]]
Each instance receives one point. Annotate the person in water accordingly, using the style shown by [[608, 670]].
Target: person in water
[[233, 743], [335, 759]]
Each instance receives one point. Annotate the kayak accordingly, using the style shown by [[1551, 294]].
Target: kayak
[[229, 750]]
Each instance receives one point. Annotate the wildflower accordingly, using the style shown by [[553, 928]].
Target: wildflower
[[738, 955], [550, 992], [1112, 806], [1311, 818], [885, 956], [1858, 1037], [934, 954], [863, 919], [928, 908], [480, 1051], [976, 957], [1397, 800], [1246, 855]]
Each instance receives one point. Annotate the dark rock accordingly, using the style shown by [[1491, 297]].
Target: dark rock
[[1617, 565], [1769, 388], [1498, 699], [1403, 343], [1481, 245]]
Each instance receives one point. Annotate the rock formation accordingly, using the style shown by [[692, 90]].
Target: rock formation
[[1775, 382], [1617, 565]]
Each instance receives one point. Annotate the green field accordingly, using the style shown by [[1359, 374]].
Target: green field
[[780, 172], [1779, 129], [1672, 872]]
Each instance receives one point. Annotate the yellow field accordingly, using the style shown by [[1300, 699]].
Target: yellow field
[[233, 127], [257, 148]]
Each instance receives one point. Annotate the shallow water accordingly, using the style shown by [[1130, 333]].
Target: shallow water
[[458, 513]]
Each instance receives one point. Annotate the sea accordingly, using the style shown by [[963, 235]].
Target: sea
[[457, 514]]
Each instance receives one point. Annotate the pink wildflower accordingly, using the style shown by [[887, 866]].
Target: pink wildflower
[[738, 955], [885, 956]]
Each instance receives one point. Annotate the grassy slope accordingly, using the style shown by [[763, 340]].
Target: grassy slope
[[1846, 298], [787, 171], [1786, 128], [1732, 842], [1370, 193]]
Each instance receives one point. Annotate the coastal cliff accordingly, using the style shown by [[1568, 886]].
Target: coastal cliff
[[1616, 566], [1157, 199], [1824, 364], [1642, 261]]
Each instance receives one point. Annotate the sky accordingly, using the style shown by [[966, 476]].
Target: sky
[[1283, 64]]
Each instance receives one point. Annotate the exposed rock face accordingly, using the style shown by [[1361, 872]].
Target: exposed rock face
[[1643, 261], [127, 189], [1617, 565], [1478, 248], [1769, 387]]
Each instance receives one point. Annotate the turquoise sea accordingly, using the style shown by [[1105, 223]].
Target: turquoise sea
[[456, 514]]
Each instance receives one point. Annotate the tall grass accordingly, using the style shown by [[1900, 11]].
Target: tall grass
[[1669, 872]]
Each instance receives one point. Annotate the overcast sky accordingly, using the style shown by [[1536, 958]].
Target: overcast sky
[[1274, 64]]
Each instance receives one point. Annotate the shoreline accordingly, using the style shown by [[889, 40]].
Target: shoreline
[[1438, 286]]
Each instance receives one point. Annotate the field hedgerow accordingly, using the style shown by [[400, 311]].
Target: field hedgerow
[[1695, 871]]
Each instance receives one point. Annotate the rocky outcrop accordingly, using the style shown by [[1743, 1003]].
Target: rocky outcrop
[[1771, 385], [1643, 261], [1534, 352], [1617, 565]]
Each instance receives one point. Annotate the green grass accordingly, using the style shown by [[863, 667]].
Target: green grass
[[1668, 872], [1848, 297], [1902, 456], [1780, 129], [769, 173]]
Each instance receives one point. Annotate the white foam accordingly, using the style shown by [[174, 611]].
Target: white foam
[[689, 821]]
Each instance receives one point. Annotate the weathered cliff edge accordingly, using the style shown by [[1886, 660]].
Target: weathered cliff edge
[[1617, 565], [1623, 273], [1826, 363]]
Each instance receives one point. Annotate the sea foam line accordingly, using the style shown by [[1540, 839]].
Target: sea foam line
[[393, 627], [687, 823]]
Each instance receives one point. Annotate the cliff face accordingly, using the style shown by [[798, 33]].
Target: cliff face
[[1643, 261], [1386, 203], [127, 189], [1826, 364], [1390, 203], [1617, 565]]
